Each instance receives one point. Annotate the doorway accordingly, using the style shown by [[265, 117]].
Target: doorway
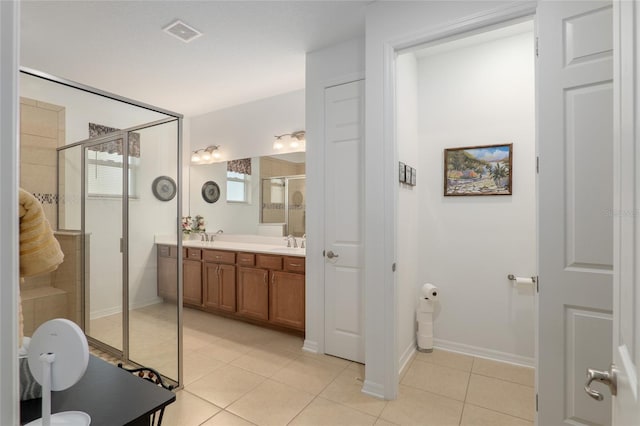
[[475, 92]]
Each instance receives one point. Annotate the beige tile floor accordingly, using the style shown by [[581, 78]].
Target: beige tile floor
[[239, 374]]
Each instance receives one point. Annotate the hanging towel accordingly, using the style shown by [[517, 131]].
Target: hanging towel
[[39, 250]]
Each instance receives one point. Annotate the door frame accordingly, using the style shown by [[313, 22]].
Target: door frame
[[381, 311], [9, 165]]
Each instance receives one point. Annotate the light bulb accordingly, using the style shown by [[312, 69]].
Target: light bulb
[[278, 144], [216, 155], [195, 157], [206, 156], [294, 143]]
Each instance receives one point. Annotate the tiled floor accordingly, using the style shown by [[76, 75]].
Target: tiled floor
[[239, 374]]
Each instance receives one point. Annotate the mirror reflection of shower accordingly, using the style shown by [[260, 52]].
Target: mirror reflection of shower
[[284, 201]]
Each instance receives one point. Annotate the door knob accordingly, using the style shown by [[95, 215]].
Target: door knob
[[331, 254], [609, 378]]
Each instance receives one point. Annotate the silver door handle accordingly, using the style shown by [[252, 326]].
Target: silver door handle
[[331, 254], [609, 378]]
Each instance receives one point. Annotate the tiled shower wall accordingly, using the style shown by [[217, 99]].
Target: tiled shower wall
[[42, 130], [56, 294]]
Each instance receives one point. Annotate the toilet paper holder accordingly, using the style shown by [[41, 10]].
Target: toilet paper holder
[[512, 277]]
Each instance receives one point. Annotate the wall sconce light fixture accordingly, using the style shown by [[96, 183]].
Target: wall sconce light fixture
[[212, 152], [296, 139]]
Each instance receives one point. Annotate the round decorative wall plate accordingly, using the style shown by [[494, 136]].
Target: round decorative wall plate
[[164, 188], [210, 191]]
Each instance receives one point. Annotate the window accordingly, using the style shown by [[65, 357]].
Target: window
[[239, 181], [238, 185], [104, 174]]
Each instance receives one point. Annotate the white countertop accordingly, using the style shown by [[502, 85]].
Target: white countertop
[[236, 246]]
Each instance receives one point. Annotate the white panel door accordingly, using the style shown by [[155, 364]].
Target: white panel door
[[575, 143], [344, 295], [626, 304]]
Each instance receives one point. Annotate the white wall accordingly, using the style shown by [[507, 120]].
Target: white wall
[[333, 65], [232, 218], [248, 130], [389, 26], [409, 217], [479, 95]]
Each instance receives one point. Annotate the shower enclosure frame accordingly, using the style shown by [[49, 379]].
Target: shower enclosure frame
[[171, 117]]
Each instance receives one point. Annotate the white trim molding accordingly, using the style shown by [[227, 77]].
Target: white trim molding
[[480, 352], [9, 170]]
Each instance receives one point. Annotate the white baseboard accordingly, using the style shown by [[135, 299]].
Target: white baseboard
[[484, 353], [117, 309], [105, 312], [310, 346], [406, 357], [373, 389]]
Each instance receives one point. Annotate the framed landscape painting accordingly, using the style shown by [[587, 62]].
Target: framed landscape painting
[[478, 170]]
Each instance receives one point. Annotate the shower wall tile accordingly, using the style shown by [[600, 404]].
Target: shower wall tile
[[46, 105], [38, 121], [28, 101], [50, 307], [37, 154], [42, 130], [68, 275]]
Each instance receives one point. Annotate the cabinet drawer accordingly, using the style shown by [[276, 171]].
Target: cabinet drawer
[[165, 251], [267, 261], [246, 259], [219, 256], [194, 254], [294, 264]]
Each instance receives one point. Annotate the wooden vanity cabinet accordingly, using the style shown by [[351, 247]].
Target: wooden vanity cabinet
[[286, 299], [192, 277], [167, 272], [263, 288], [253, 293], [219, 280]]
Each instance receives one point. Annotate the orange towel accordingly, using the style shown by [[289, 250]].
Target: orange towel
[[39, 250]]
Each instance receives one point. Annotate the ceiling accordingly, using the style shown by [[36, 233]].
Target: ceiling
[[250, 49]]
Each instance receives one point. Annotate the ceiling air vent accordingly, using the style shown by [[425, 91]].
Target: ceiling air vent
[[182, 31]]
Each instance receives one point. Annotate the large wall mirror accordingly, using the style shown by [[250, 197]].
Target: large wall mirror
[[275, 196]]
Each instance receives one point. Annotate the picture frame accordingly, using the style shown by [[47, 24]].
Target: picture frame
[[401, 172], [478, 170]]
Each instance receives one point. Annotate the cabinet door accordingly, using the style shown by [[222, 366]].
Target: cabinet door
[[253, 293], [192, 282], [286, 299], [167, 277], [227, 283], [211, 284]]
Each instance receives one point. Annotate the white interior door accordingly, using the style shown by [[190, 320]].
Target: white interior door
[[626, 320], [344, 295], [575, 143]]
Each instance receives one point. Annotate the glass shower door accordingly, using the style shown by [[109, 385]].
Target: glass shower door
[[152, 217], [102, 227]]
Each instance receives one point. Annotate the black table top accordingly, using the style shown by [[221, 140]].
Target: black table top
[[110, 395]]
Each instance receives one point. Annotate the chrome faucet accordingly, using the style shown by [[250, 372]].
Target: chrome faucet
[[290, 238], [303, 241], [210, 237]]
